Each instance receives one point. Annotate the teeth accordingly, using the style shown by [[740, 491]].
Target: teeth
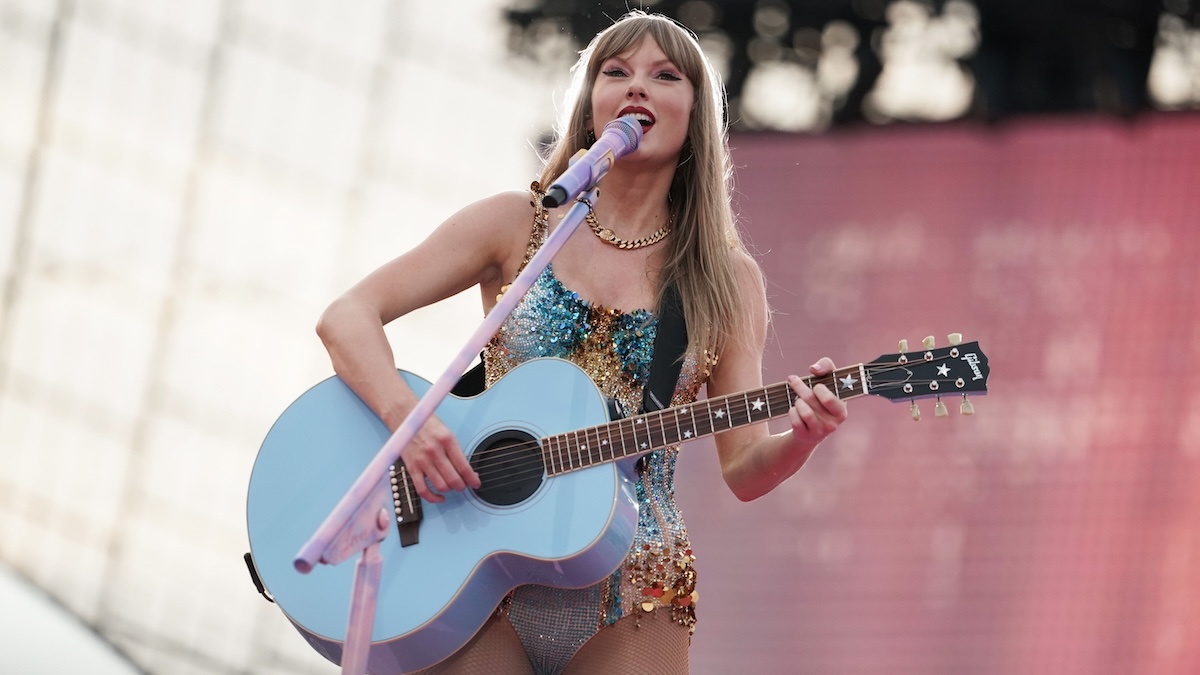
[[643, 118]]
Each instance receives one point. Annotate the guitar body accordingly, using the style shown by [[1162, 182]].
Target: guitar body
[[573, 530]]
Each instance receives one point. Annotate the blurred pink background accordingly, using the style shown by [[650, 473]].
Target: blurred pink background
[[1055, 531]]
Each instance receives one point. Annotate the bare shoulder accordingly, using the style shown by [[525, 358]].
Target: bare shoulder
[[491, 227], [495, 231], [512, 204], [749, 275]]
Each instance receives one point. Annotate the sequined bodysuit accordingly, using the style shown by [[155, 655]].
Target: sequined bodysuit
[[615, 349]]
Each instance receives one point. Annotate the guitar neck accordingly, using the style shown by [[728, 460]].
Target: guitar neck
[[645, 432]]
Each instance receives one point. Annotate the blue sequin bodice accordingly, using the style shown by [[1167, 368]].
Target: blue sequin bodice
[[615, 349]]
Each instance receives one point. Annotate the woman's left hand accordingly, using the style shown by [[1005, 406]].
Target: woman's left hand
[[818, 411]]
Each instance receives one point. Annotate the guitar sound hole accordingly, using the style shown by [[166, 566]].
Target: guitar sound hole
[[509, 464]]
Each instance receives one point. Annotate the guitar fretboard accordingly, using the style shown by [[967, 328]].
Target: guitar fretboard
[[645, 432]]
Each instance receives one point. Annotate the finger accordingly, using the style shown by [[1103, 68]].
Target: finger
[[832, 405], [816, 410], [802, 416], [463, 467], [823, 366], [421, 485], [451, 479], [457, 463], [800, 407], [442, 475]]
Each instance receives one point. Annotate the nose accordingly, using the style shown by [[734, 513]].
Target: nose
[[636, 91]]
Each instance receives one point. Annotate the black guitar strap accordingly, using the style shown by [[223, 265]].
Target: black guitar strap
[[669, 344]]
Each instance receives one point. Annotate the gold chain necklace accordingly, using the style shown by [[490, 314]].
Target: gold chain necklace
[[606, 235]]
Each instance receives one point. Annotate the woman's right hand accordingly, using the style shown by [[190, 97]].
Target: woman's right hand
[[436, 463]]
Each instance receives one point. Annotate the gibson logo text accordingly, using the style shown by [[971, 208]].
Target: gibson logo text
[[973, 361]]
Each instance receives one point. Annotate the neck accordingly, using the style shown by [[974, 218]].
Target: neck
[[633, 202]]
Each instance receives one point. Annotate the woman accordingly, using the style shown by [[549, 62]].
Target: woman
[[663, 218]]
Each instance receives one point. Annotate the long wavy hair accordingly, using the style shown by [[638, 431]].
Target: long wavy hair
[[698, 260]]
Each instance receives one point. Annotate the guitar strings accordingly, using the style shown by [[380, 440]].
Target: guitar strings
[[500, 462]]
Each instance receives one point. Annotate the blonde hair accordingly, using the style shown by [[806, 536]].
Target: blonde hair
[[699, 258]]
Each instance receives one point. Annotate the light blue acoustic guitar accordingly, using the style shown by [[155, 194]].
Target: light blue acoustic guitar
[[556, 506]]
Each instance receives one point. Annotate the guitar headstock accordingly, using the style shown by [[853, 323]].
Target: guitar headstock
[[957, 370]]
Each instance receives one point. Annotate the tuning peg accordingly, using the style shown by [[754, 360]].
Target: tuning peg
[[903, 346], [915, 412], [928, 342], [939, 408], [966, 408], [955, 339]]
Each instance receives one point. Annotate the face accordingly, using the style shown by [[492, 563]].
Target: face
[[643, 82]]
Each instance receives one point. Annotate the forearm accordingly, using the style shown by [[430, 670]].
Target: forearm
[[362, 357], [761, 464]]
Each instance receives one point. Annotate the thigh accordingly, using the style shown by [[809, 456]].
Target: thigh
[[627, 646], [495, 650]]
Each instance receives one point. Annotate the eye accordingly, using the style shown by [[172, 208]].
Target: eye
[[614, 72], [668, 75]]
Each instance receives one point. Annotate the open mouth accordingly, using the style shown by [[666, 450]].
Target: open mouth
[[643, 116]]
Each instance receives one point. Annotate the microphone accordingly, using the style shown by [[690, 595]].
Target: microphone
[[620, 137]]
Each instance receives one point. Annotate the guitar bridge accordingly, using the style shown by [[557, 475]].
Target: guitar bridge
[[406, 505]]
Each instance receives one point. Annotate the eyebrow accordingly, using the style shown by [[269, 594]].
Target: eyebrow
[[656, 64]]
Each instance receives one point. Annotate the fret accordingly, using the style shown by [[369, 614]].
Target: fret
[[722, 414], [708, 417], [662, 429], [564, 441], [607, 442], [683, 434], [579, 453], [621, 429], [671, 416], [573, 451], [692, 411], [584, 451], [548, 454], [597, 454], [786, 392], [590, 443], [640, 445], [759, 409], [564, 444]]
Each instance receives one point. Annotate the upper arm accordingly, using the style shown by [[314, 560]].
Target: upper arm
[[740, 365], [480, 244]]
